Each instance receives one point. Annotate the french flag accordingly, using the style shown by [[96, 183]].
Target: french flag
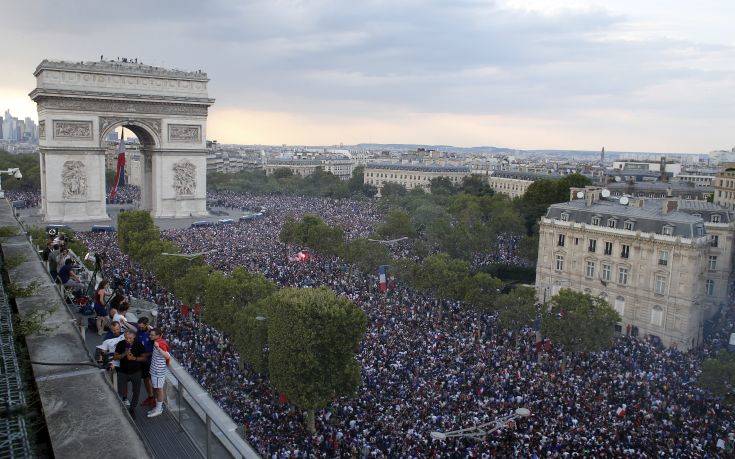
[[382, 281], [120, 172]]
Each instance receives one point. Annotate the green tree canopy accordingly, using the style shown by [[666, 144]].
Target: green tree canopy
[[397, 224], [476, 185], [392, 190], [442, 186], [135, 229], [313, 337], [312, 232], [191, 286], [481, 290], [718, 375], [579, 322], [366, 255], [517, 308], [282, 173]]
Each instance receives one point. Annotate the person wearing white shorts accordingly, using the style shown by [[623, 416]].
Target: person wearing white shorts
[[159, 366]]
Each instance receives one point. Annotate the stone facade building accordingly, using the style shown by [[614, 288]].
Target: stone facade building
[[725, 186], [339, 166], [412, 175], [663, 264], [514, 184]]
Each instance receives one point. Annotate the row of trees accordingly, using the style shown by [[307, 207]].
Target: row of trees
[[284, 181], [305, 340], [464, 219]]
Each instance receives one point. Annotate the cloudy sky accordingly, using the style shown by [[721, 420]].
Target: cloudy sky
[[638, 75]]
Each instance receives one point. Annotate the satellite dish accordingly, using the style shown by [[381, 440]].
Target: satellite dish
[[624, 200], [617, 178], [605, 193], [580, 194]]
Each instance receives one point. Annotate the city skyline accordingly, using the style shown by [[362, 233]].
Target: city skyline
[[519, 74]]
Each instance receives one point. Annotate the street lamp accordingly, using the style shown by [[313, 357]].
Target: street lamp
[[13, 171], [482, 430], [188, 256]]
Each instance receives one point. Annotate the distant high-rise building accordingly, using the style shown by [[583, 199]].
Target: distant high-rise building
[[1, 128]]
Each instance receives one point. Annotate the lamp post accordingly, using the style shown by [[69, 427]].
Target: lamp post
[[482, 430]]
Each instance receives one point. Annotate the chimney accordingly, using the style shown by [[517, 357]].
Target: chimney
[[670, 205], [662, 169]]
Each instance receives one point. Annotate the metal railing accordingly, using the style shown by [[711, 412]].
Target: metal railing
[[218, 424], [186, 391]]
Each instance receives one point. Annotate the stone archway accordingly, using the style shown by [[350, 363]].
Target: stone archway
[[80, 103]]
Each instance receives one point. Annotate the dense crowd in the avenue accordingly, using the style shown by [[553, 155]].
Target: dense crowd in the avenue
[[432, 365]]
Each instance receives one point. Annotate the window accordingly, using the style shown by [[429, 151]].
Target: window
[[700, 230], [709, 287], [608, 248], [592, 246], [660, 285], [712, 262], [657, 316], [667, 230], [715, 218], [611, 222], [596, 221], [561, 240], [624, 251], [620, 305], [715, 241], [590, 269], [560, 263], [663, 257], [623, 276], [564, 217], [606, 272], [576, 241], [629, 225]]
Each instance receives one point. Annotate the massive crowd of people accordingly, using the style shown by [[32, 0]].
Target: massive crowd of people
[[431, 365]]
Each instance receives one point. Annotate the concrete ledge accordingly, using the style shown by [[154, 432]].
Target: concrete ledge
[[84, 417]]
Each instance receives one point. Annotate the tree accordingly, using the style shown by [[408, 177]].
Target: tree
[[443, 275], [528, 248], [397, 224], [312, 232], [366, 255], [190, 287], [135, 229], [313, 337], [392, 190], [225, 295], [442, 186], [282, 173], [476, 185], [481, 290], [718, 375], [517, 308], [579, 322], [169, 269]]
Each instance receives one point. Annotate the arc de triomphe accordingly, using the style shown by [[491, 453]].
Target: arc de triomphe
[[79, 103]]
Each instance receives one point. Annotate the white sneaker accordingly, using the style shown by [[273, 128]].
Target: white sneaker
[[155, 412], [126, 402]]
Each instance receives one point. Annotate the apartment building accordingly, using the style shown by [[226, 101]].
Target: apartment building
[[725, 186], [339, 166], [412, 175], [514, 184], [663, 264]]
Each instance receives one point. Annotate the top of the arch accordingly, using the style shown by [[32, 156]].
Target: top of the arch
[[116, 78]]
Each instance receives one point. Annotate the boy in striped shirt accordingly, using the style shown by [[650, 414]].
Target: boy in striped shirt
[[159, 362]]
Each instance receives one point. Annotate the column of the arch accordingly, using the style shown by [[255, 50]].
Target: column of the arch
[[84, 207]]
